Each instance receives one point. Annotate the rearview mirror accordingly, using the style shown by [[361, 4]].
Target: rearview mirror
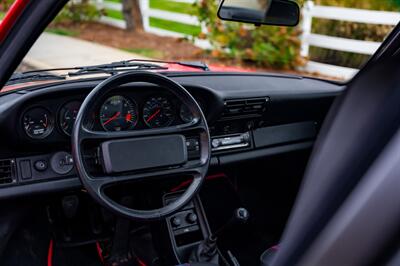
[[266, 12]]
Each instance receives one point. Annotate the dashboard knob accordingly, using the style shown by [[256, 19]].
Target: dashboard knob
[[191, 218], [40, 165], [215, 143], [176, 221]]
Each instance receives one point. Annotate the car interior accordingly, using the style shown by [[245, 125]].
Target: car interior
[[168, 168]]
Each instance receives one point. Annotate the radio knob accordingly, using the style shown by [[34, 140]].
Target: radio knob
[[215, 143], [176, 221], [191, 218]]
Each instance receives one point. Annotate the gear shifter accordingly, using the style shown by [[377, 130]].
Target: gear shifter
[[207, 250]]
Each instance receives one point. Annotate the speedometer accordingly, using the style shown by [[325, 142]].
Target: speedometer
[[158, 112], [118, 113]]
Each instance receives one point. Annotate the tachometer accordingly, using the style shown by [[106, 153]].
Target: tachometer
[[118, 113], [38, 123], [67, 116], [158, 112]]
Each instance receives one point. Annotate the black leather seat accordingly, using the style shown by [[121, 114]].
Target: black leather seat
[[358, 126], [268, 255]]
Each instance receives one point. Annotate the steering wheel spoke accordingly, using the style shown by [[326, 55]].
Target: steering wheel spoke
[[193, 127]]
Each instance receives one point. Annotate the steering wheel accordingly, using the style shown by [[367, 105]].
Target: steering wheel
[[141, 154]]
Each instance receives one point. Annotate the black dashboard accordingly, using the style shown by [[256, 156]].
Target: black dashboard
[[249, 115]]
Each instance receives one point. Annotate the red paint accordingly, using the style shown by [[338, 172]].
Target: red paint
[[11, 17], [50, 253], [216, 68], [171, 68], [188, 182]]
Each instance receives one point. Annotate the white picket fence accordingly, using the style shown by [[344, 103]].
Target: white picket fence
[[308, 38], [148, 12], [310, 11]]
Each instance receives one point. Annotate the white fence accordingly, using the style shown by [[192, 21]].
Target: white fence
[[148, 13], [308, 39], [310, 11]]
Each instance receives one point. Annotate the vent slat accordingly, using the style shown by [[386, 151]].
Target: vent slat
[[235, 109], [6, 171]]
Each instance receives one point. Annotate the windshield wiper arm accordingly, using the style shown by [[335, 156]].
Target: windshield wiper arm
[[32, 76], [114, 68], [194, 64], [111, 68]]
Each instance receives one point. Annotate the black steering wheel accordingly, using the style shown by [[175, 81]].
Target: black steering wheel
[[141, 154]]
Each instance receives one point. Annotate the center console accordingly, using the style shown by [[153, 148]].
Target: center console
[[186, 228]]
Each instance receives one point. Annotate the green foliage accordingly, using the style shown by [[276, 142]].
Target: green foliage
[[268, 46], [174, 26], [147, 52], [5, 5], [78, 12], [178, 7], [62, 31]]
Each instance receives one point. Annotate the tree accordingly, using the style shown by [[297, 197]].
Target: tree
[[132, 15]]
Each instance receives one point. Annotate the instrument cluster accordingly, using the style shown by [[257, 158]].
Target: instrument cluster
[[116, 113]]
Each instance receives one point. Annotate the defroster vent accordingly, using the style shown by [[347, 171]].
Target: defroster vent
[[7, 171], [244, 108]]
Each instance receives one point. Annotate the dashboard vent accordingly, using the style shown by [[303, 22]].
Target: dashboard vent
[[7, 172], [244, 108]]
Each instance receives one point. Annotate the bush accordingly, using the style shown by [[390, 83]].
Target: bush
[[268, 46], [5, 5], [78, 11]]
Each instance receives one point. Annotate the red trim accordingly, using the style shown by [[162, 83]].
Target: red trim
[[141, 263], [11, 17], [276, 247], [99, 252], [50, 253], [188, 182]]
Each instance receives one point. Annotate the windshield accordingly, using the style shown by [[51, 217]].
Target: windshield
[[333, 40]]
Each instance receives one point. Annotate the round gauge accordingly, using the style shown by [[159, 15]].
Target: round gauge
[[67, 116], [185, 114], [38, 123], [158, 112], [118, 113]]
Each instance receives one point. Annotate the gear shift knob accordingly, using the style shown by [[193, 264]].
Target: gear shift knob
[[242, 215], [207, 250]]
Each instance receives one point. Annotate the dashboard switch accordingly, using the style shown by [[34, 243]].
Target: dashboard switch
[[25, 168], [40, 165], [176, 221], [61, 163], [191, 218]]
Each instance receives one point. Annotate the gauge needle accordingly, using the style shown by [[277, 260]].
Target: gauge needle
[[153, 115], [112, 118]]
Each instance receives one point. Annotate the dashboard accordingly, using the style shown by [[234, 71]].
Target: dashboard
[[250, 116]]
